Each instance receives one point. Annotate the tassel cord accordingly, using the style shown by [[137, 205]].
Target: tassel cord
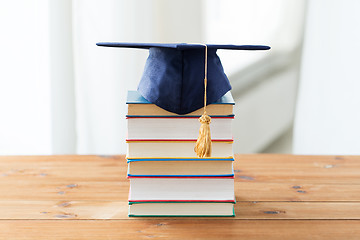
[[203, 143]]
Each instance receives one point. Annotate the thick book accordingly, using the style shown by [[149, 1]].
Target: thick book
[[164, 189], [139, 106], [181, 167], [146, 128], [181, 209], [175, 149]]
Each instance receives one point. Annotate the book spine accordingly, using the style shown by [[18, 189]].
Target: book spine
[[231, 140], [232, 116], [181, 201], [180, 176], [177, 159], [178, 117], [187, 176]]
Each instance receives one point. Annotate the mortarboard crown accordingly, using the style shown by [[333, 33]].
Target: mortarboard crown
[[173, 77], [182, 78]]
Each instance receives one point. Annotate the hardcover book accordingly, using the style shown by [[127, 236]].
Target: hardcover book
[[181, 167], [205, 189], [181, 209], [139, 106], [185, 128], [175, 148]]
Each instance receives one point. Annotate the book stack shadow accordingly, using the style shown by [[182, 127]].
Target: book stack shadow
[[166, 177]]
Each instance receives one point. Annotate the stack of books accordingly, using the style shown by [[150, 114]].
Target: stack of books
[[166, 176]]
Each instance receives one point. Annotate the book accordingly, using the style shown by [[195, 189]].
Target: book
[[139, 106], [166, 177], [181, 167], [175, 149], [205, 189], [185, 128], [181, 209]]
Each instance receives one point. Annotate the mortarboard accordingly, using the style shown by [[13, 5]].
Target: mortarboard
[[173, 77], [182, 78]]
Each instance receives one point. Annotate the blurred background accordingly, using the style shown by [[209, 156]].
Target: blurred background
[[60, 94]]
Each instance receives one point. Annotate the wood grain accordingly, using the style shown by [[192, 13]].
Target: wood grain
[[51, 189], [85, 197], [181, 229], [88, 210]]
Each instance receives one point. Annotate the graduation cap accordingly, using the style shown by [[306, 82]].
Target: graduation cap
[[182, 78]]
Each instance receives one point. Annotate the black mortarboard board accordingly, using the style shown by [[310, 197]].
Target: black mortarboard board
[[173, 77]]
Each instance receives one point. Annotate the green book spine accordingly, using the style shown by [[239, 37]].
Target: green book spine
[[130, 215], [232, 215]]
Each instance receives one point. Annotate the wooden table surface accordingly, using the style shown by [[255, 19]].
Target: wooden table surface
[[85, 197]]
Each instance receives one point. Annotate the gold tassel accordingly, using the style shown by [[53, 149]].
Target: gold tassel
[[203, 143]]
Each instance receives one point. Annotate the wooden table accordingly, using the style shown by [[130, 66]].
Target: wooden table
[[85, 197]]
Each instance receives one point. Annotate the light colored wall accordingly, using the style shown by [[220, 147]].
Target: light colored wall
[[63, 94], [328, 116], [25, 100], [104, 75]]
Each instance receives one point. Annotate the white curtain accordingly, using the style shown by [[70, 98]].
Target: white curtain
[[25, 105], [104, 75], [328, 117], [61, 94]]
